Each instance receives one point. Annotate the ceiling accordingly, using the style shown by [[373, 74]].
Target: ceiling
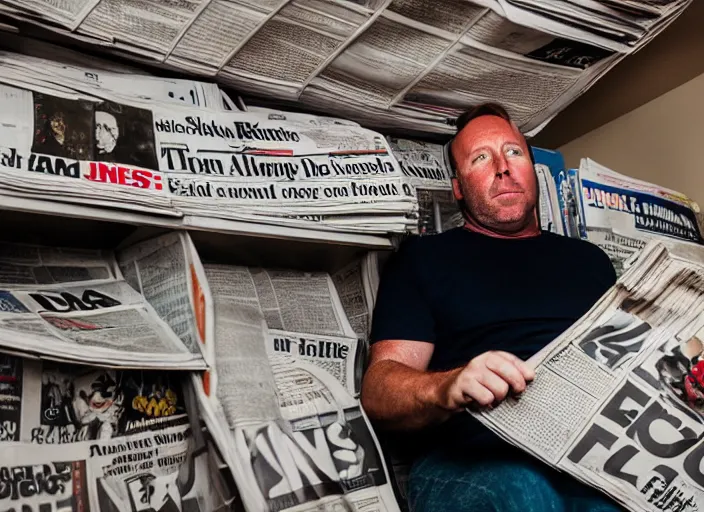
[[671, 59]]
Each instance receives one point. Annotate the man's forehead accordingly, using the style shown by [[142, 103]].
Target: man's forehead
[[487, 129]]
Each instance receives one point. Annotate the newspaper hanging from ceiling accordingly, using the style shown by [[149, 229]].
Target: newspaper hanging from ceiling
[[617, 401], [411, 64], [76, 135]]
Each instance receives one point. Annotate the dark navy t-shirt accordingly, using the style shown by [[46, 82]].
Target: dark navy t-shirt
[[468, 293]]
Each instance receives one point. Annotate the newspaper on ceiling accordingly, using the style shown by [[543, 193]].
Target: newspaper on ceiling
[[282, 399], [618, 399], [620, 213], [175, 160], [74, 305], [402, 64], [77, 438]]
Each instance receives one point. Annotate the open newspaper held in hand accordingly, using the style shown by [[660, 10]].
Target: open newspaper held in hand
[[618, 399], [75, 305]]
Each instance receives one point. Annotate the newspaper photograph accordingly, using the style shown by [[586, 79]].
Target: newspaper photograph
[[617, 399], [49, 403]]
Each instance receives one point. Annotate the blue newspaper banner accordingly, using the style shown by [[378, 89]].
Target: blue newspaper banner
[[650, 213]]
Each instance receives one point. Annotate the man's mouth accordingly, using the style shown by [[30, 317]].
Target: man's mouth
[[508, 193]]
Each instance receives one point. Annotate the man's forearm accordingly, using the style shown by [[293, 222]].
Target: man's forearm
[[397, 396]]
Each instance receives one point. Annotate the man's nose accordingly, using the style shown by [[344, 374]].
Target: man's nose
[[502, 166]]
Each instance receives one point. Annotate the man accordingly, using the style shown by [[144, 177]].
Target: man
[[456, 316]]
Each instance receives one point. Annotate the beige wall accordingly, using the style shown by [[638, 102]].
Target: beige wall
[[661, 141]]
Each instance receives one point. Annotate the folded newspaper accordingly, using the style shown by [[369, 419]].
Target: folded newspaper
[[618, 399], [78, 438], [406, 64], [74, 305]]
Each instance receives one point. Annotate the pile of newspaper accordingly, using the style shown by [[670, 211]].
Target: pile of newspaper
[[618, 399], [175, 147], [121, 434], [404, 63], [618, 213], [281, 399]]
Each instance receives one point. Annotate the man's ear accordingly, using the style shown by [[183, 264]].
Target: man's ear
[[457, 190]]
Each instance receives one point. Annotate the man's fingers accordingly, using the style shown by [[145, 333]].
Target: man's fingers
[[477, 392], [507, 371], [525, 369], [491, 381]]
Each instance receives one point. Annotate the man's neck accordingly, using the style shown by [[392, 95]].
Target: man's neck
[[532, 229]]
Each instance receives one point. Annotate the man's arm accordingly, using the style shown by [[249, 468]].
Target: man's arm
[[399, 393]]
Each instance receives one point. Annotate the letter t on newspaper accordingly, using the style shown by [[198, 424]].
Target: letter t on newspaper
[[618, 399]]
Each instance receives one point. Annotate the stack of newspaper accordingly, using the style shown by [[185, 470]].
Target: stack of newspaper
[[281, 399], [404, 63], [618, 399], [173, 147], [75, 305], [618, 213]]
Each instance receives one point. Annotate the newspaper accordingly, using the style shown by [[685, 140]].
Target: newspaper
[[617, 399], [167, 272], [283, 403], [620, 214], [356, 284], [132, 153], [72, 305], [402, 64], [82, 438]]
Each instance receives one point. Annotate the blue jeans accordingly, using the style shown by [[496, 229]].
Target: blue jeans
[[509, 482]]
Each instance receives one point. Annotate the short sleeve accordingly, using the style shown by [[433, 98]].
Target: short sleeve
[[402, 312]]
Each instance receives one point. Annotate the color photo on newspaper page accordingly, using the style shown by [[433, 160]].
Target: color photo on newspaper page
[[51, 403], [618, 399], [93, 439]]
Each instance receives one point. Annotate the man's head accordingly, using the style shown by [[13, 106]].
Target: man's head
[[495, 179], [106, 132]]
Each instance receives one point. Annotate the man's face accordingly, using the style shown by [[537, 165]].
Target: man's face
[[106, 132], [495, 175]]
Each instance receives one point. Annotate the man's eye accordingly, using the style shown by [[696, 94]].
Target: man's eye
[[514, 152], [479, 158]]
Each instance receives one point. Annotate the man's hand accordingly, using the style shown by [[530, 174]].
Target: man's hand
[[486, 379]]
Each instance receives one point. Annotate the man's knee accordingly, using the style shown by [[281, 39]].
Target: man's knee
[[501, 486]]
